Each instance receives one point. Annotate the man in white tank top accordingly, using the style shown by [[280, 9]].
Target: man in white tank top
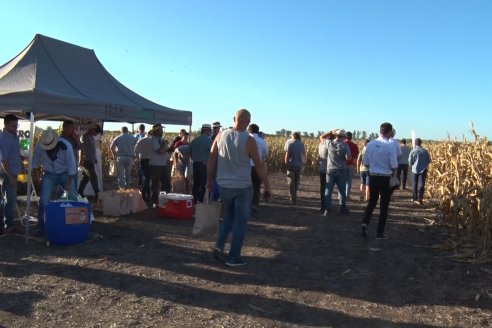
[[229, 164]]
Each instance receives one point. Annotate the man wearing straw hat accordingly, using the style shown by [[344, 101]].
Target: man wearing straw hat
[[56, 156], [159, 163]]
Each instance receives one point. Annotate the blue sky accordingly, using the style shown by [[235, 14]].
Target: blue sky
[[423, 65]]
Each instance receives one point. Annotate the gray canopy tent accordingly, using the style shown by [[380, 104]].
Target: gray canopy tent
[[53, 80]]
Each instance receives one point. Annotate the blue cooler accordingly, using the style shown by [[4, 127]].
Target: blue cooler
[[67, 222]]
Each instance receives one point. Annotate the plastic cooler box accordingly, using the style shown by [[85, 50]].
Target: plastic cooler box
[[67, 222], [175, 206]]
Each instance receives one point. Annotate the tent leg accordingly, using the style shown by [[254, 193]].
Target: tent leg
[[29, 177]]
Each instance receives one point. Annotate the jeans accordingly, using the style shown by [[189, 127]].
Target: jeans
[[364, 178], [255, 179], [144, 166], [160, 181], [338, 177], [92, 177], [140, 173], [350, 174], [49, 185], [402, 168], [419, 179], [293, 178], [322, 188], [124, 170], [8, 201], [199, 181], [237, 210], [378, 186]]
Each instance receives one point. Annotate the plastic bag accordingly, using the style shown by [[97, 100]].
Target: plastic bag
[[394, 183]]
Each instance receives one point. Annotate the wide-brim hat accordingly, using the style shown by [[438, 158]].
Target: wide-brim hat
[[206, 126], [49, 138], [216, 125], [340, 132], [156, 127]]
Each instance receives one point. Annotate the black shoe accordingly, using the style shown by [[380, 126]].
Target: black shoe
[[3, 233], [218, 255], [381, 236], [363, 229], [235, 262]]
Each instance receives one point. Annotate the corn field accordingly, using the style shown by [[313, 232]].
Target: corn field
[[459, 181]]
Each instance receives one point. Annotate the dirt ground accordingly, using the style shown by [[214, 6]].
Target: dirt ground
[[304, 270]]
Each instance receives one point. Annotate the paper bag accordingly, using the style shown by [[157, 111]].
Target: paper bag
[[206, 217], [115, 203], [178, 184], [112, 168]]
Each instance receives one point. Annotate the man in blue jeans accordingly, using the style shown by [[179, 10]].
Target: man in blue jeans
[[59, 168], [229, 161], [420, 159], [200, 150], [10, 168], [338, 153]]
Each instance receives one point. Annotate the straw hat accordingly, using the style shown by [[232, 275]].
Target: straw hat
[[49, 138], [340, 133]]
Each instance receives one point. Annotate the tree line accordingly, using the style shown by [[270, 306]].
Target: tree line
[[356, 134]]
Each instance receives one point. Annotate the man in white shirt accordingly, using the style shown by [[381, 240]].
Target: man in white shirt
[[144, 150], [253, 130], [381, 160]]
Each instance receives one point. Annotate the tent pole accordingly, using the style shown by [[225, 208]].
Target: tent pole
[[29, 177]]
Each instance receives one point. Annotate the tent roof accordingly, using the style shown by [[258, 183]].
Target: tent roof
[[56, 79]]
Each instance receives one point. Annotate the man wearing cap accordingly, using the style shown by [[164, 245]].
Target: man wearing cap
[[159, 163], [200, 150], [337, 153], [10, 168], [381, 160], [88, 146], [215, 130], [122, 149], [143, 149], [140, 135], [294, 159], [59, 168]]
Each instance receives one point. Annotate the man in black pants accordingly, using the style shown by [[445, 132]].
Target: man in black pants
[[254, 130], [381, 160], [89, 151]]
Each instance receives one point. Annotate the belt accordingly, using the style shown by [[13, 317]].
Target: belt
[[379, 174], [124, 156]]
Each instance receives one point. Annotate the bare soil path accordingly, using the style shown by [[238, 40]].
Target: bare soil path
[[304, 270]]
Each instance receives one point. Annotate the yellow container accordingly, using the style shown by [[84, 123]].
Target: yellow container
[[22, 177]]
